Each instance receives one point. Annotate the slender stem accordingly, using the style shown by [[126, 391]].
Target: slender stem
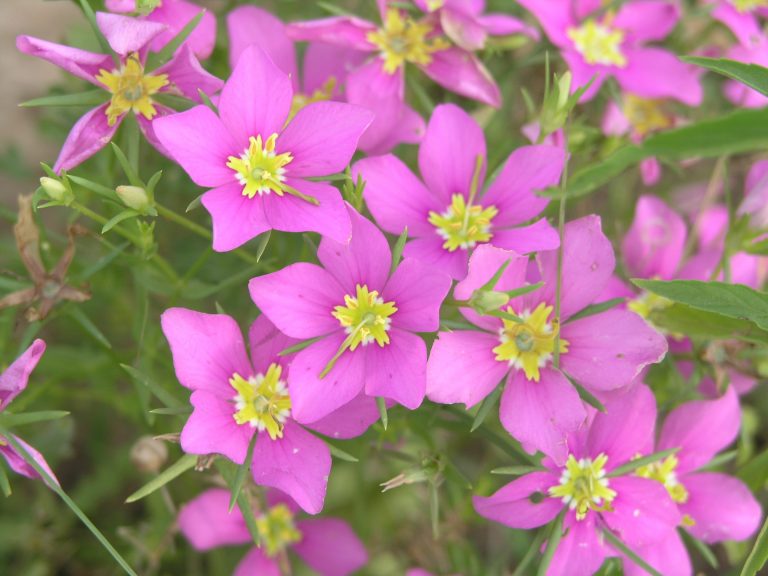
[[561, 233]]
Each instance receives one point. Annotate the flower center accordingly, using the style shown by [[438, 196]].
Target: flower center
[[262, 401], [463, 225], [645, 115], [259, 169], [131, 89], [365, 317], [404, 40], [598, 43], [664, 472], [748, 5], [584, 487], [325, 92], [529, 344], [277, 529]]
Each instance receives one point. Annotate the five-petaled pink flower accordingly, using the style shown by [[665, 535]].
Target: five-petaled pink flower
[[256, 164], [602, 352], [449, 214], [234, 398], [365, 321], [131, 87], [328, 546]]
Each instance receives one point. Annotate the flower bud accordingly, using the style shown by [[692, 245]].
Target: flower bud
[[55, 189], [484, 301], [149, 454], [134, 197]]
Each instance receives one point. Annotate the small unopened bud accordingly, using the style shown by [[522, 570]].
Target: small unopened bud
[[149, 454], [134, 197], [484, 301], [55, 189], [563, 90]]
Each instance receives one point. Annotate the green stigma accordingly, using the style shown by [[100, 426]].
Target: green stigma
[[259, 169], [463, 225], [365, 317], [584, 486], [277, 529], [262, 401]]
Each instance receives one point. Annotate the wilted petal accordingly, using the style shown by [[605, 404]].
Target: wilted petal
[[89, 135]]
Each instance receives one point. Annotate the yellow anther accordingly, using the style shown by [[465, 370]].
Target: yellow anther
[[404, 40], [598, 43], [131, 89], [463, 226], [365, 317], [584, 486], [262, 401], [277, 529], [259, 169]]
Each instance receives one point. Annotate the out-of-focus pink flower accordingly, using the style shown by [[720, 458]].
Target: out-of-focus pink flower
[[741, 16], [328, 546], [755, 201], [131, 87], [257, 165]]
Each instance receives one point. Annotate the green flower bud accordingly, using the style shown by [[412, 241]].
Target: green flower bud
[[484, 301], [56, 190], [134, 197]]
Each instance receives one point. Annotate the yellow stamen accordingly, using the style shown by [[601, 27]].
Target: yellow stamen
[[584, 486], [365, 317], [463, 226], [259, 169], [262, 401], [645, 115], [664, 472], [325, 92], [131, 89], [404, 40], [598, 43], [277, 529]]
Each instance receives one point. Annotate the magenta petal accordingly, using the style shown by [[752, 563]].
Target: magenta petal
[[248, 25], [418, 294], [298, 464], [581, 551], [395, 196], [236, 218], [201, 144], [609, 350], [552, 17], [583, 73], [463, 29], [398, 370], [449, 152], [330, 547], [464, 73], [647, 21], [207, 349], [503, 25], [125, 34], [540, 235], [313, 398], [744, 25], [256, 562], [514, 506], [528, 170], [657, 73], [187, 76], [349, 421], [147, 129], [256, 99], [19, 464], [323, 61], [626, 429], [322, 137], [89, 135], [212, 429], [176, 15], [643, 513], [588, 263], [430, 251], [121, 6], [364, 260], [668, 557], [291, 214], [81, 63], [299, 300], [407, 128], [207, 524], [266, 342], [14, 379], [462, 367], [701, 429], [344, 31], [540, 415], [721, 506]]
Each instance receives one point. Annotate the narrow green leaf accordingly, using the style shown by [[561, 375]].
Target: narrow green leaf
[[703, 549], [759, 554], [530, 555], [194, 204], [342, 177], [397, 251], [587, 396], [523, 290], [152, 183], [682, 319], [633, 465], [553, 541], [504, 315], [242, 473], [115, 220], [103, 262], [598, 308], [755, 472], [486, 406], [298, 347], [128, 169], [381, 404], [90, 98], [752, 75], [516, 470], [629, 553], [5, 484], [207, 101], [91, 17], [261, 246], [333, 9], [434, 510], [186, 462], [99, 189], [183, 411], [169, 49], [77, 314], [491, 284], [161, 394], [226, 469], [337, 452], [10, 420]]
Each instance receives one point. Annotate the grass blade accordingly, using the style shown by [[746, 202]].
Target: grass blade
[[242, 472], [486, 406], [759, 554], [553, 541], [186, 462], [5, 484], [644, 461], [10, 420], [89, 98], [624, 549], [381, 404]]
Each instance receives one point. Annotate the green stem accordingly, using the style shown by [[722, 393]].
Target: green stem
[[561, 233]]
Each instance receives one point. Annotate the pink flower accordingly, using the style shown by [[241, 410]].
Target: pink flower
[[12, 383], [325, 72], [234, 398], [594, 42], [450, 214], [714, 507], [327, 545], [465, 24], [742, 17], [175, 15], [637, 510], [130, 39], [602, 352], [256, 164], [755, 202], [365, 321], [383, 76]]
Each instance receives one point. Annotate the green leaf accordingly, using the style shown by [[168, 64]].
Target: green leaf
[[79, 316], [243, 503], [194, 204], [182, 411], [752, 75], [115, 220], [682, 319], [337, 452], [207, 101], [242, 473], [633, 465], [516, 470], [261, 246], [381, 404], [10, 420], [99, 189], [333, 9], [553, 541], [629, 553], [598, 308], [755, 472], [434, 510], [486, 406], [89, 98], [160, 393], [169, 49], [186, 462], [91, 17], [300, 346], [128, 169], [587, 396], [397, 251], [5, 484], [731, 300], [530, 555], [703, 549], [759, 554]]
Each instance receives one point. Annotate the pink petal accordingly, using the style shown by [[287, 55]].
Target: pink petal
[[125, 34], [291, 214], [266, 342], [81, 63], [248, 25], [581, 551], [583, 73], [187, 76], [122, 6], [418, 294], [463, 73], [256, 562], [430, 251], [462, 367], [503, 25], [256, 98], [330, 547], [449, 153], [540, 415], [395, 196], [298, 464], [201, 144], [89, 135], [398, 370], [701, 429], [407, 128], [313, 398], [364, 260], [668, 557], [528, 170], [207, 524], [18, 462], [350, 421], [657, 73], [647, 21], [609, 350], [744, 25], [207, 349], [322, 138], [325, 61], [540, 235], [149, 132], [236, 218], [348, 32], [552, 17], [299, 300], [14, 379], [463, 29], [514, 505], [211, 428], [176, 15], [721, 506]]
